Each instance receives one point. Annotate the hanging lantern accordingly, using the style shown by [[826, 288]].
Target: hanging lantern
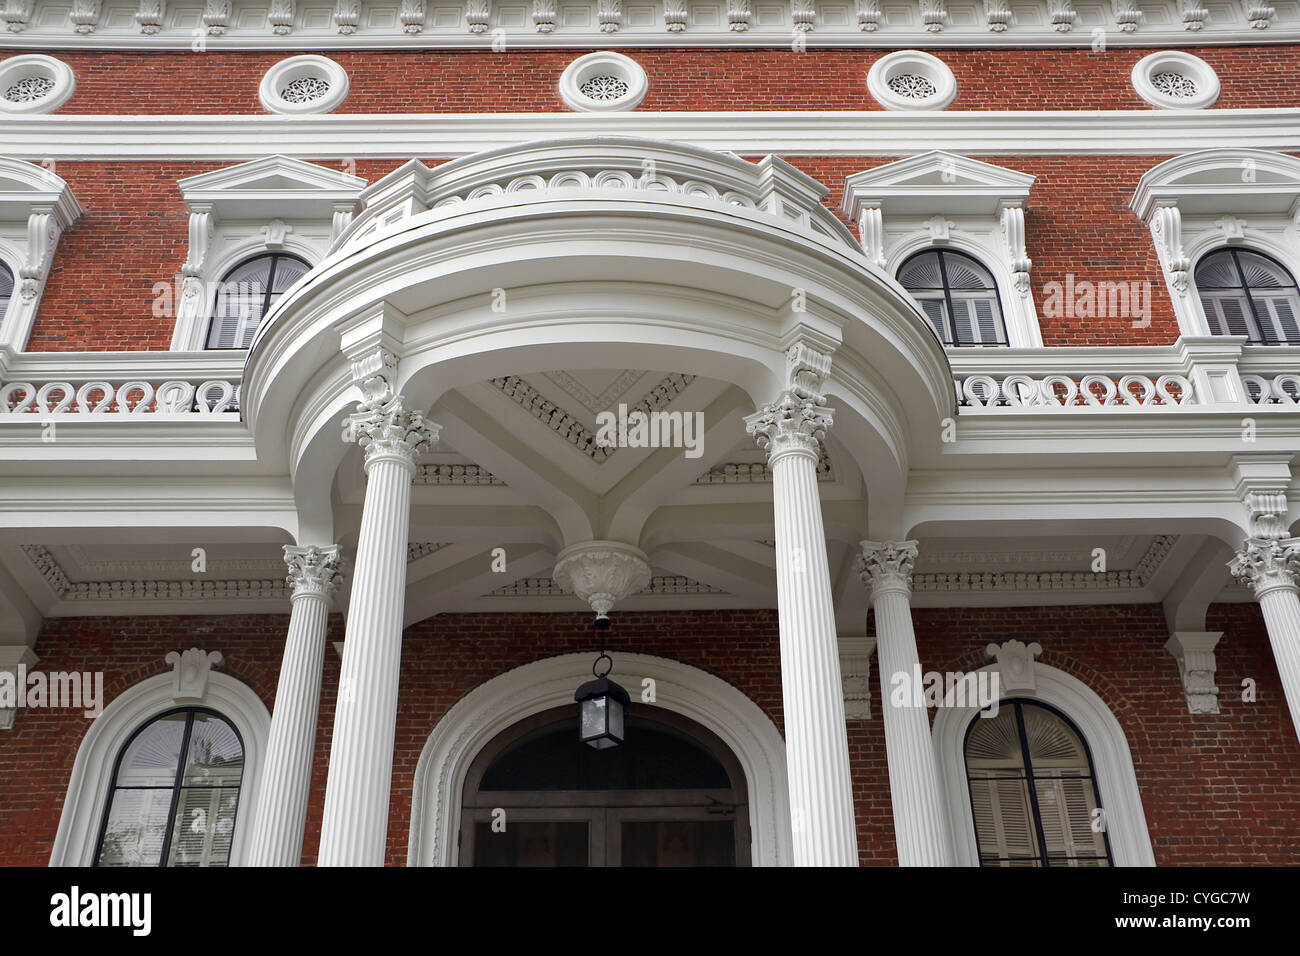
[[601, 707]]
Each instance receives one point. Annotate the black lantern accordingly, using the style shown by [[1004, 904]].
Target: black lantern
[[601, 706]]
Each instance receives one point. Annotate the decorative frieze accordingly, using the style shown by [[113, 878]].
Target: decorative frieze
[[1194, 652], [660, 584], [755, 472], [456, 475], [419, 549], [1135, 579]]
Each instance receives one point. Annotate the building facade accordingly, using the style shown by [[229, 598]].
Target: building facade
[[914, 385]]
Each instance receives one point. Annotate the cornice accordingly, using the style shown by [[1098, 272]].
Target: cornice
[[659, 584], [399, 136], [475, 24], [1134, 579]]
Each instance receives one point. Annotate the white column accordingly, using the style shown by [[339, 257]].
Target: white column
[[1271, 567], [355, 825], [816, 741], [286, 772], [920, 827]]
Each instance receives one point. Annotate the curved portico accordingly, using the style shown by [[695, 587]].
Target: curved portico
[[729, 278]]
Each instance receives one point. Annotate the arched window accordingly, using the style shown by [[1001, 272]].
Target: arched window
[[1033, 791], [672, 794], [958, 295], [247, 293], [6, 288], [174, 794], [1247, 293]]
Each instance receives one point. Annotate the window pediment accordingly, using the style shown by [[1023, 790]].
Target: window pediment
[[937, 182], [1217, 181], [35, 207], [274, 187]]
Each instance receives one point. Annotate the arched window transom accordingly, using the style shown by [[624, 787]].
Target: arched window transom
[[1033, 791], [958, 295], [175, 793], [247, 293], [1247, 293]]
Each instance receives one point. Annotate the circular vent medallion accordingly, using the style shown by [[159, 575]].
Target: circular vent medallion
[[1175, 80], [303, 84], [603, 82], [911, 80], [34, 83]]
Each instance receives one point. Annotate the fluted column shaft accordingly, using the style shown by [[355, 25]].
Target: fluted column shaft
[[357, 788], [1272, 569], [816, 740], [286, 772], [920, 825]]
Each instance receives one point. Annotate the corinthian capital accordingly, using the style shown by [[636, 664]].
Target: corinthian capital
[[313, 570], [390, 431], [790, 424], [887, 565], [1267, 564]]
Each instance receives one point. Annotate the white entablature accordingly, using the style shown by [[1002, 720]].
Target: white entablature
[[35, 207], [944, 200], [303, 24], [271, 204], [1205, 200]]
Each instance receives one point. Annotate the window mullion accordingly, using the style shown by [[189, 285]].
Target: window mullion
[[1029, 785], [176, 789]]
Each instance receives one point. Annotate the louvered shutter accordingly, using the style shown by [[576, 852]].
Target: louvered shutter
[[934, 311], [1004, 821]]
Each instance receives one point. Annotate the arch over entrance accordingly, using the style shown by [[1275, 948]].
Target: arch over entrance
[[482, 715], [672, 794]]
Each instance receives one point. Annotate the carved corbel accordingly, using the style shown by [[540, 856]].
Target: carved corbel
[[1258, 13], [1063, 15], [42, 236], [544, 15], [803, 15], [216, 16], [740, 14], [1167, 231], [275, 231], [84, 15], [1193, 14], [998, 15], [150, 16], [412, 16], [871, 226], [347, 15], [1013, 233], [855, 676], [610, 15], [1194, 651], [940, 228], [675, 15], [280, 17], [477, 13], [933, 15], [17, 14], [868, 15], [1126, 14]]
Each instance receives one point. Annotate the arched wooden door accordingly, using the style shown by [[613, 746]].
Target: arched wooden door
[[672, 795]]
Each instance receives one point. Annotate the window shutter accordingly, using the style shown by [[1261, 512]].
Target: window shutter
[[1003, 820]]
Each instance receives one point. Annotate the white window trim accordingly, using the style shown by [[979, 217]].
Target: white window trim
[[541, 685], [1211, 199], [304, 219], [1121, 800], [911, 61], [35, 201], [92, 772], [65, 83], [1200, 72], [604, 61], [295, 67], [943, 200]]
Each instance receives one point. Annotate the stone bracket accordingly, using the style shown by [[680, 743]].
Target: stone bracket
[[1194, 652]]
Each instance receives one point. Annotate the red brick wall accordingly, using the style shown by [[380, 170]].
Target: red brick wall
[[1223, 790], [470, 81], [134, 234]]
